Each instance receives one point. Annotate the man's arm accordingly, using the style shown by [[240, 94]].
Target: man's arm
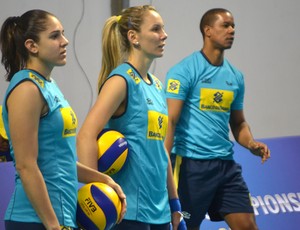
[[242, 134]]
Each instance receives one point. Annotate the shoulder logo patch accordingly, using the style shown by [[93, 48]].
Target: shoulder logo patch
[[38, 80], [173, 86], [133, 76]]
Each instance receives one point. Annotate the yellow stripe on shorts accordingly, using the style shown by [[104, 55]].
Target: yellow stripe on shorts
[[65, 228], [178, 161]]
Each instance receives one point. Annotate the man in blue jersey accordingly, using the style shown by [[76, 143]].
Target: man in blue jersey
[[205, 97]]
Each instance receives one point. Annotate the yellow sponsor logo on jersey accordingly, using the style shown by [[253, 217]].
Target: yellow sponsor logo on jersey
[[36, 79], [157, 125], [173, 86], [70, 122], [133, 76], [157, 82], [216, 100], [2, 129]]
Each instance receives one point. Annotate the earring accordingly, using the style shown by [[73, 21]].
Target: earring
[[136, 45]]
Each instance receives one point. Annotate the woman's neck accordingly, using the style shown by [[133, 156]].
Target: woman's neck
[[142, 65], [39, 67]]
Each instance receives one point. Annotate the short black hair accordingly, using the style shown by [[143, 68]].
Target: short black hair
[[210, 17]]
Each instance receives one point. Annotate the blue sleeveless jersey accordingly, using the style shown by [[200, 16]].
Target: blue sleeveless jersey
[[56, 154], [144, 124], [209, 93]]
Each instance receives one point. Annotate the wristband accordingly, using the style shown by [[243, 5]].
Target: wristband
[[175, 205], [182, 225]]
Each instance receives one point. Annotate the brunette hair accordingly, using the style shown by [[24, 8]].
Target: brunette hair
[[14, 32]]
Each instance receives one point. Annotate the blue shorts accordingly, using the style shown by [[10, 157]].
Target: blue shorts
[[136, 225], [15, 225], [215, 187]]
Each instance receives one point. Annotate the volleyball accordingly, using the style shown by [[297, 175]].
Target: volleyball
[[112, 151], [98, 207]]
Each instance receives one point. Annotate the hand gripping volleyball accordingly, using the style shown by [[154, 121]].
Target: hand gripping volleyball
[[98, 207]]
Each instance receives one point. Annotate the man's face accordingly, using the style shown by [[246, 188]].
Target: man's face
[[221, 33]]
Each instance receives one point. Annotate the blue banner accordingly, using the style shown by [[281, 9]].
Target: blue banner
[[274, 185]]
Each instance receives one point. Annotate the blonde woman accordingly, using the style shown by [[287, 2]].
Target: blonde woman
[[131, 100]]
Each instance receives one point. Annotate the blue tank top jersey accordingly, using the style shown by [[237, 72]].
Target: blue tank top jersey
[[144, 124], [56, 154], [209, 93]]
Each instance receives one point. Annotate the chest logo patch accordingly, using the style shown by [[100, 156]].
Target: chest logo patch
[[216, 100], [70, 122], [157, 125]]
